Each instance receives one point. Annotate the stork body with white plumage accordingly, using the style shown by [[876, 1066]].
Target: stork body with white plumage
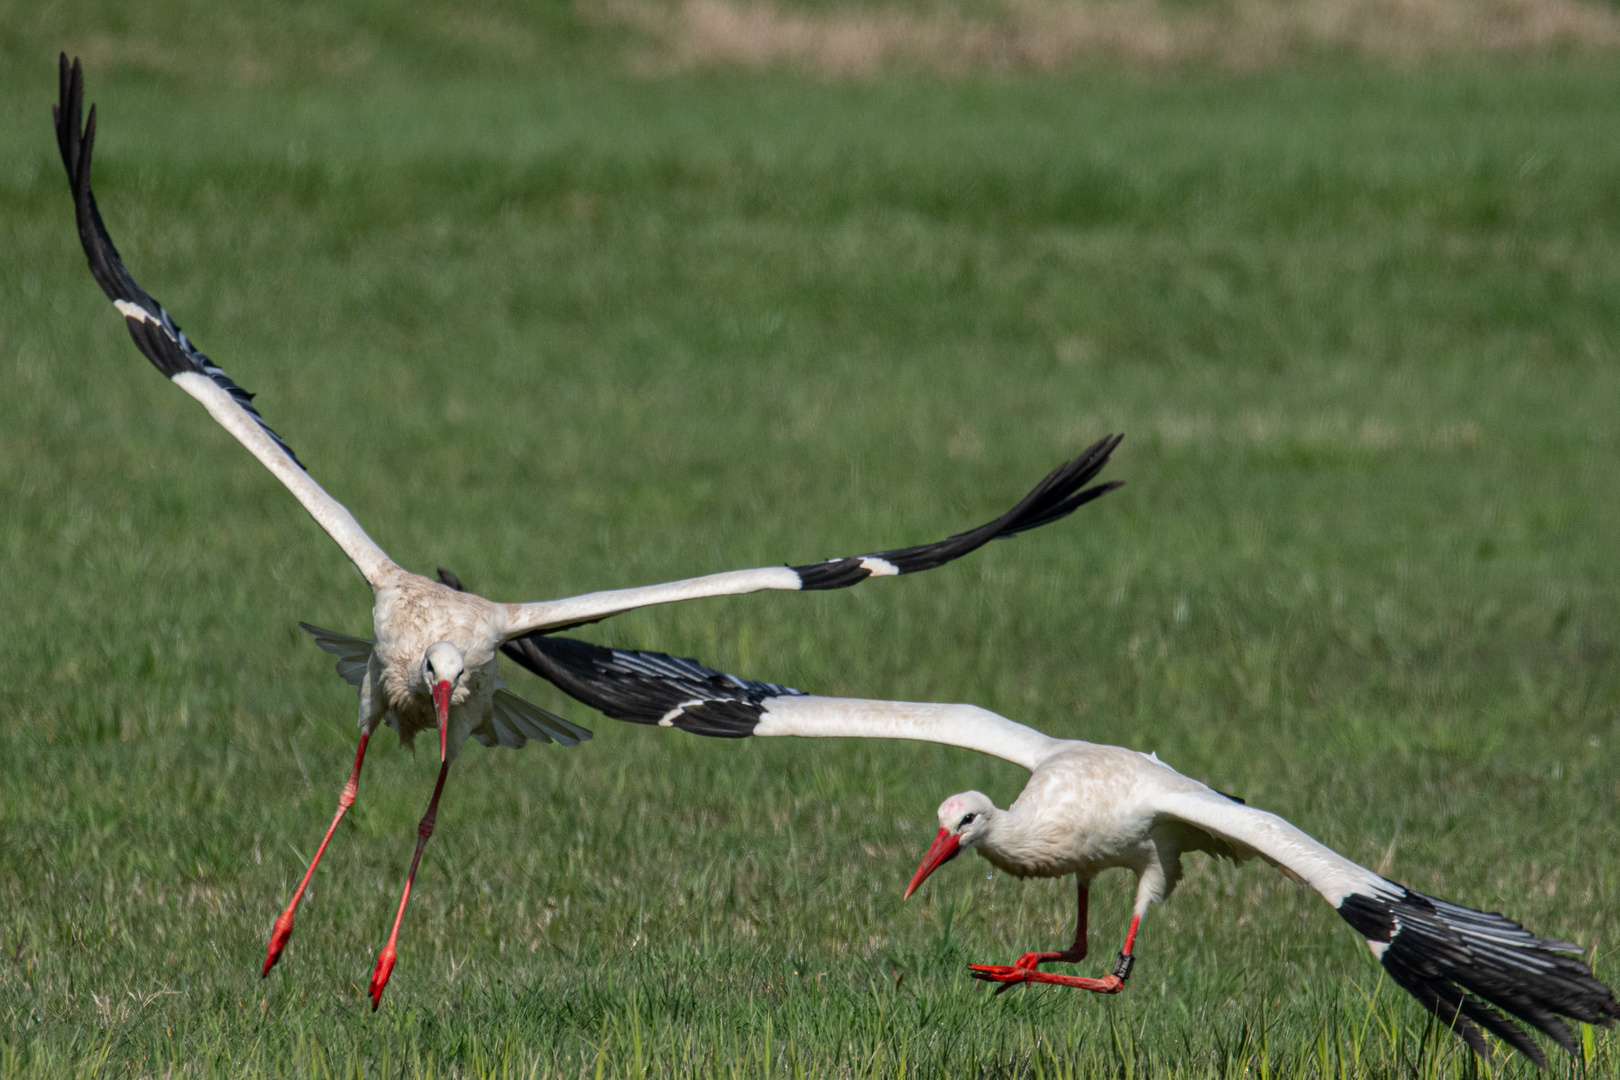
[[432, 662]]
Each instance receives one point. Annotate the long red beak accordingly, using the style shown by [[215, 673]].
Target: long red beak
[[441, 706], [944, 848]]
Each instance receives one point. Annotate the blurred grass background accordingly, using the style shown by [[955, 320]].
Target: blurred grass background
[[561, 317]]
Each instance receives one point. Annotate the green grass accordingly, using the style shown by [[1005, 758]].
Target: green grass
[[561, 329]]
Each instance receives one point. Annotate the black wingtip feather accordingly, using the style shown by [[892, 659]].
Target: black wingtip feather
[[1060, 493], [1470, 967], [156, 334], [648, 687]]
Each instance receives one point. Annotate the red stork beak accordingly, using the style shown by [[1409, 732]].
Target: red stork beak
[[945, 847], [441, 706]]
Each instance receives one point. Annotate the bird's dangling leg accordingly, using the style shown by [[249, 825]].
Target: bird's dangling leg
[[1026, 968], [284, 925], [424, 829]]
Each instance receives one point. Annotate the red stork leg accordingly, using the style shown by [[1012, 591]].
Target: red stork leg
[[385, 960], [284, 925], [1026, 968]]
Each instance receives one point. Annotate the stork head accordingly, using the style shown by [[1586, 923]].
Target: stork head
[[963, 821], [442, 669]]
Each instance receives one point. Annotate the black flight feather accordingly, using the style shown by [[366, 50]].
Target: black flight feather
[[1059, 494], [154, 332], [1459, 963]]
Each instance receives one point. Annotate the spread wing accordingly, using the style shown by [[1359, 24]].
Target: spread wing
[[171, 352], [672, 691], [1466, 967], [1058, 495]]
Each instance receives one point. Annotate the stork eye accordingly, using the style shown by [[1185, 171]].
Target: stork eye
[[966, 820]]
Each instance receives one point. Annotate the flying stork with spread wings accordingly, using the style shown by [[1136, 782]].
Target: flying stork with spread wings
[[1089, 808], [432, 663]]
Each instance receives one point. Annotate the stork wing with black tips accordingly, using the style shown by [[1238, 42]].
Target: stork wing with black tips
[[1460, 964], [1059, 494], [161, 340]]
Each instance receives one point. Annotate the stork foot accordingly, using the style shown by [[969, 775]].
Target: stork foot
[[1010, 976], [278, 941], [1024, 971], [1035, 959], [379, 976]]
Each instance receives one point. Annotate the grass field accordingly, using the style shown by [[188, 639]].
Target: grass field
[[559, 327]]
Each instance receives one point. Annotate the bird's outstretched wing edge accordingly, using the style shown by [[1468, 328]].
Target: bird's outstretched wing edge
[[161, 340], [1466, 967], [154, 331], [1059, 494], [672, 691]]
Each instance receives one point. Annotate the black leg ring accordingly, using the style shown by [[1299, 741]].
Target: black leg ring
[[1122, 966]]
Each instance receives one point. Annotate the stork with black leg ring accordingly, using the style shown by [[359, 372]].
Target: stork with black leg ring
[[1089, 808], [431, 664]]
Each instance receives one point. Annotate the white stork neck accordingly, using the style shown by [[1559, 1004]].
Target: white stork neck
[[1000, 837]]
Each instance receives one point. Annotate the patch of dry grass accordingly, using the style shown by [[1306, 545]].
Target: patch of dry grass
[[1050, 35]]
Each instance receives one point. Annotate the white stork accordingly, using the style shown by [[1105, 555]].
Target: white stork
[[1089, 808], [433, 661]]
